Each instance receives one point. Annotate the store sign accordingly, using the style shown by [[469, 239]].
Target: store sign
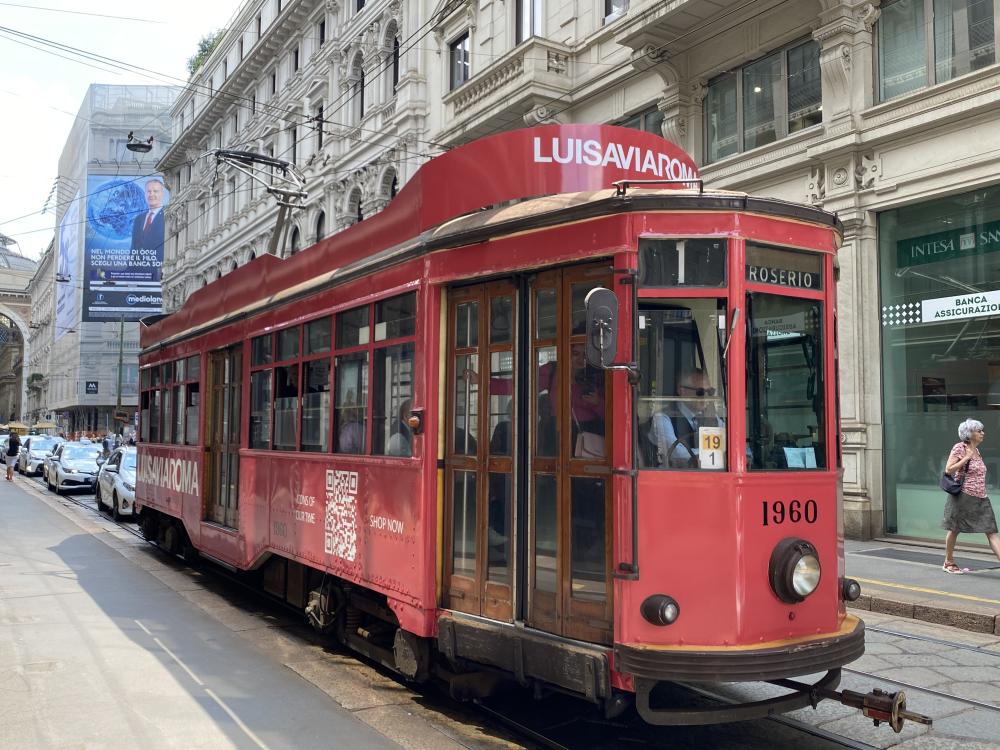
[[971, 305], [91, 388], [784, 277], [957, 243]]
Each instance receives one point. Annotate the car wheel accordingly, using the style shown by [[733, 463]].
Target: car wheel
[[114, 507]]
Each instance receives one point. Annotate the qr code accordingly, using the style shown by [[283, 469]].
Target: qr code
[[341, 520]]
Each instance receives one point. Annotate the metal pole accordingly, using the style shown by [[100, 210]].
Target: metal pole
[[121, 356]]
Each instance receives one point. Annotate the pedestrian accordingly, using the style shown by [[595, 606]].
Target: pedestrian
[[968, 512], [13, 448]]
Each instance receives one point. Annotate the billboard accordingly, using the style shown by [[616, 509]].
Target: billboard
[[124, 247], [68, 268]]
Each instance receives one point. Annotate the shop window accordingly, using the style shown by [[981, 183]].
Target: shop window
[[763, 101], [940, 320], [924, 42], [459, 61]]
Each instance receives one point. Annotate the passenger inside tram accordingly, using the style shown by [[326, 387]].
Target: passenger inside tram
[[400, 442]]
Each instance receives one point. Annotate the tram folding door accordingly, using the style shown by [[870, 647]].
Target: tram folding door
[[479, 449], [225, 373], [553, 473]]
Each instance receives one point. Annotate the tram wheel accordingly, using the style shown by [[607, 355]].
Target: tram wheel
[[148, 525]]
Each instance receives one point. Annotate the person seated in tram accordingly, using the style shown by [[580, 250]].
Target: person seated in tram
[[401, 440], [674, 428]]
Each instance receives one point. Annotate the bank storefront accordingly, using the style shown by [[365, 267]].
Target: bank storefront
[[940, 308]]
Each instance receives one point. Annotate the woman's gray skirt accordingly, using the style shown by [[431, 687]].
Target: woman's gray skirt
[[969, 514]]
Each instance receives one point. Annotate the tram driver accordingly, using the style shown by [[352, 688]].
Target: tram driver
[[674, 428]]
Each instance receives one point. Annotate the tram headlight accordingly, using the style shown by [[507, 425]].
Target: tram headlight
[[794, 570], [660, 609]]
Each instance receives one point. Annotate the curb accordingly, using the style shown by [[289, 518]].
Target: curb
[[972, 617]]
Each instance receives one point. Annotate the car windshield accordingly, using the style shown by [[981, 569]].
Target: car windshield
[[80, 453], [44, 444]]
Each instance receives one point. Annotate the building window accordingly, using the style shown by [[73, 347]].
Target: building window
[[321, 32], [360, 4], [274, 83], [295, 60], [763, 101], [296, 242], [260, 26], [395, 62], [649, 121], [294, 133], [614, 9], [940, 346], [958, 36], [529, 19], [319, 127], [253, 103], [320, 226], [358, 87], [459, 61], [225, 69], [241, 46]]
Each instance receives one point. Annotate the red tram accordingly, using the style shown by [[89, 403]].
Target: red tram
[[418, 430]]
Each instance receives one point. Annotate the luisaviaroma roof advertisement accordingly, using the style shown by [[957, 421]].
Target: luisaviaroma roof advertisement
[[124, 247]]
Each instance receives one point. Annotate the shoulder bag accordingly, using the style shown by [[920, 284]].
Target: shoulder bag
[[952, 484]]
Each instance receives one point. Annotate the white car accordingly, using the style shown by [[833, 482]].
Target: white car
[[34, 451], [73, 467], [116, 483]]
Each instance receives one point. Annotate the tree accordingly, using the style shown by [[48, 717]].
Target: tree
[[206, 46]]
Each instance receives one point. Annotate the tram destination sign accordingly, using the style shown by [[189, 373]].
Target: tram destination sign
[[956, 243]]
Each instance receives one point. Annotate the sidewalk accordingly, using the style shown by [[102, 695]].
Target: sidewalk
[[906, 580]]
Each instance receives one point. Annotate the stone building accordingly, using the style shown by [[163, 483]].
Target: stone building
[[15, 314], [883, 112], [89, 317], [41, 290]]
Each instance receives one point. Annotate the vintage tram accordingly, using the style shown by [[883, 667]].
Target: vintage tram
[[557, 414]]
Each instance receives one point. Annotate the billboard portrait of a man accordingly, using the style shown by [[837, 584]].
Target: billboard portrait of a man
[[148, 227]]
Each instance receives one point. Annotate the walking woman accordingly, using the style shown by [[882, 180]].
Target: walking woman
[[969, 511], [13, 448]]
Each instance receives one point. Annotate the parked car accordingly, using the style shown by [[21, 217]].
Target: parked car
[[116, 483], [33, 453], [74, 466], [48, 461]]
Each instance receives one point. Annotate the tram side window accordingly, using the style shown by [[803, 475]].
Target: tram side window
[[392, 393], [192, 399], [682, 388], [786, 415], [316, 386], [260, 409]]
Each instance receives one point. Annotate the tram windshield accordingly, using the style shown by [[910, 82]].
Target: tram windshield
[[682, 389], [785, 405]]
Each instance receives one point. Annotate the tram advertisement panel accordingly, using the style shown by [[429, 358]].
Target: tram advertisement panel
[[124, 247]]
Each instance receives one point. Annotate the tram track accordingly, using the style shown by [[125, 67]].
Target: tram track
[[578, 725]]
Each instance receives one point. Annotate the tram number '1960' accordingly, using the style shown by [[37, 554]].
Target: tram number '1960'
[[776, 512]]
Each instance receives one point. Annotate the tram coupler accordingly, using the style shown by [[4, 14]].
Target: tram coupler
[[877, 705]]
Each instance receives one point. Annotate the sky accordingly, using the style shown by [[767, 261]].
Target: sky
[[40, 92]]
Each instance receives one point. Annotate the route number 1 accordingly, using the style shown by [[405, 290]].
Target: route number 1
[[711, 448]]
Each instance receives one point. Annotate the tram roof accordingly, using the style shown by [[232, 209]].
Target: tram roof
[[268, 281], [511, 182]]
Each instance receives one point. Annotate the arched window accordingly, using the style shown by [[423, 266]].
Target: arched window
[[358, 87], [253, 255], [389, 184], [395, 61], [320, 226], [234, 266], [295, 241], [354, 205], [218, 274]]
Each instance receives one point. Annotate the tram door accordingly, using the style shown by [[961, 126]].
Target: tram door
[[221, 488], [563, 502], [569, 467], [480, 450]]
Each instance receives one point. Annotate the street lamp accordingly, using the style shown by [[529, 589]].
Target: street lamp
[[140, 147]]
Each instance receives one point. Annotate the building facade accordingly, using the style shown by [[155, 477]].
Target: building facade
[[881, 112], [15, 312], [100, 280]]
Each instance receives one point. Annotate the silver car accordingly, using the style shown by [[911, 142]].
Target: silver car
[[74, 466], [34, 451], [116, 483]]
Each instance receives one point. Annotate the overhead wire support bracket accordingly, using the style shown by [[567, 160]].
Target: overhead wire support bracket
[[278, 177]]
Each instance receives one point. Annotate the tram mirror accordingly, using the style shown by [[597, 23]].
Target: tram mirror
[[602, 327]]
